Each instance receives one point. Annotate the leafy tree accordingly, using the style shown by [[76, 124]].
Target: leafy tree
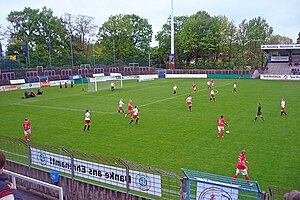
[[39, 28], [195, 36], [164, 40], [126, 36], [278, 39]]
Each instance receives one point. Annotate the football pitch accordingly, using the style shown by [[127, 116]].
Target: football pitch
[[168, 136]]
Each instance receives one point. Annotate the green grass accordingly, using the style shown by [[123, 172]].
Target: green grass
[[168, 136]]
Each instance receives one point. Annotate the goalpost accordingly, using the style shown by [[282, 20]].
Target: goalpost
[[101, 82]]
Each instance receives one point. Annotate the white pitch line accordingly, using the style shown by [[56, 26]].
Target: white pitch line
[[56, 108], [175, 96]]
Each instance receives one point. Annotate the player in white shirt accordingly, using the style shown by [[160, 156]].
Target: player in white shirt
[[135, 115], [212, 95], [121, 103], [87, 120], [234, 87], [189, 102], [174, 89], [282, 103], [208, 85]]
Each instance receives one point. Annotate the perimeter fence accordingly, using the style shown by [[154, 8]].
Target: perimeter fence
[[132, 180]]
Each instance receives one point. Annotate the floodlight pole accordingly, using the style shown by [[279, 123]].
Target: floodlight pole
[[172, 28], [149, 54], [94, 52], [71, 50], [172, 55]]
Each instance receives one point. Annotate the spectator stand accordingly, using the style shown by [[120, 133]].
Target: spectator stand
[[98, 70], [144, 70], [129, 70], [31, 76], [39, 70], [114, 70]]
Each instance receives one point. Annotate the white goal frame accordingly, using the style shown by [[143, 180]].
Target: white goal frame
[[93, 85]]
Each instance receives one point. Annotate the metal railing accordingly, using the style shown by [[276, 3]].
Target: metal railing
[[48, 185]]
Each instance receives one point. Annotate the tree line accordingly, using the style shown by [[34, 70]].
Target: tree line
[[37, 37]]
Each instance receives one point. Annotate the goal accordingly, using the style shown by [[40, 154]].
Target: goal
[[101, 82]]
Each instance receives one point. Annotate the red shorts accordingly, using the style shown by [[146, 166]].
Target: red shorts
[[189, 103], [234, 89], [212, 95], [135, 116], [129, 112], [87, 121], [120, 108], [174, 91], [282, 108]]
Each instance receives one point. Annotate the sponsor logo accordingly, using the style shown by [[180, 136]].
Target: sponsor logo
[[143, 182], [214, 193], [42, 158]]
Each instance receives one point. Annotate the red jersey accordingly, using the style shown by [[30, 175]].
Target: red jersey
[[194, 85], [129, 106], [221, 122], [241, 161], [26, 125]]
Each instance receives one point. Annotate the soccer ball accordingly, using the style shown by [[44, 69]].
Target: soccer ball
[[227, 132]]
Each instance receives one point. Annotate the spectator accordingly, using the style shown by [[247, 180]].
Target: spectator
[[292, 195], [7, 190]]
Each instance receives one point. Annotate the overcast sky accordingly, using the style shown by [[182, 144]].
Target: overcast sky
[[283, 16]]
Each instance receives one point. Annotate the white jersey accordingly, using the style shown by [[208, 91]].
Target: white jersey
[[189, 99], [212, 92], [87, 116], [121, 103], [283, 104], [135, 111], [174, 87], [208, 82], [234, 85]]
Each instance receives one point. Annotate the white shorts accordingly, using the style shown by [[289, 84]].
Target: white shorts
[[241, 171], [27, 132], [220, 128]]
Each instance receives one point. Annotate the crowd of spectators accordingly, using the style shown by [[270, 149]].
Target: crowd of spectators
[[295, 71]]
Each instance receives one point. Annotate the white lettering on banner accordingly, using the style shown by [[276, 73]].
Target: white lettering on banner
[[17, 81], [279, 58], [280, 77], [30, 86], [138, 181], [208, 189], [290, 46]]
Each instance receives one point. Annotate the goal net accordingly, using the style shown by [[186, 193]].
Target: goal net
[[101, 82]]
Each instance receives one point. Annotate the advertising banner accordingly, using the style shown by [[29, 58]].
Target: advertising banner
[[138, 181]]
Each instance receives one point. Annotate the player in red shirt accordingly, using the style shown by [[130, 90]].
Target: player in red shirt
[[212, 83], [129, 108], [194, 86], [241, 167], [27, 129], [221, 123]]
